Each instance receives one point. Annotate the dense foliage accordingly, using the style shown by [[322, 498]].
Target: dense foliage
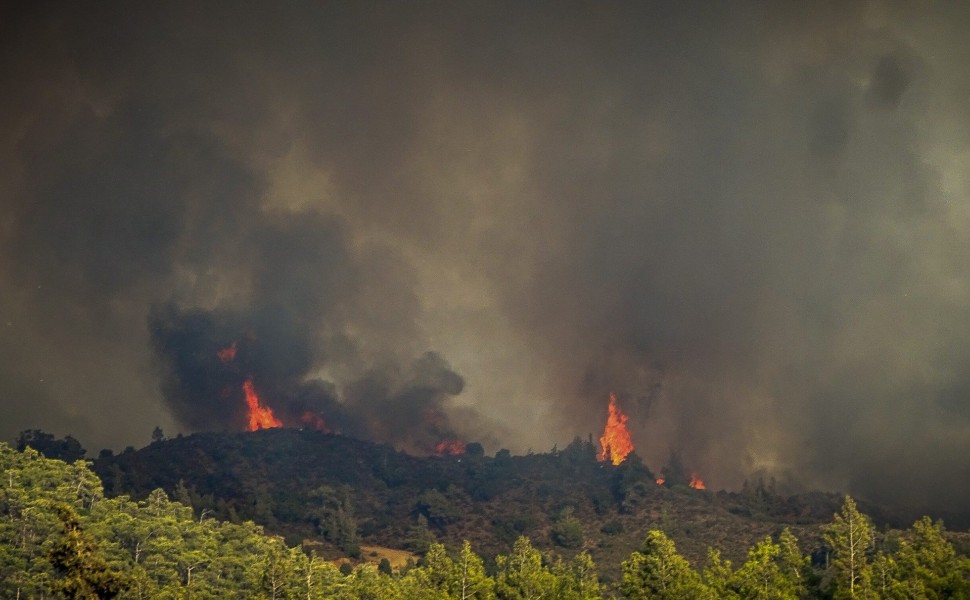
[[347, 494], [60, 537]]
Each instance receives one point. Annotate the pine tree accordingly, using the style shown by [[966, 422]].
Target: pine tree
[[850, 536], [658, 571], [82, 572], [718, 575], [927, 562], [313, 578], [884, 577], [568, 530], [578, 579], [794, 565], [470, 580], [158, 435], [761, 577], [277, 569], [521, 574]]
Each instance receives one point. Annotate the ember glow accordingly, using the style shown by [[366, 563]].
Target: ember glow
[[449, 448], [260, 417], [311, 419], [227, 354], [696, 482], [616, 440]]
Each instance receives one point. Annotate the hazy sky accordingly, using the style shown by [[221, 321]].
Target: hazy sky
[[750, 221]]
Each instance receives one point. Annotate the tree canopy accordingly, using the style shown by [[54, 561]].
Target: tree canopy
[[61, 537]]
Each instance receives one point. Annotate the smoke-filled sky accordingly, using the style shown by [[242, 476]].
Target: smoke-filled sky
[[427, 220]]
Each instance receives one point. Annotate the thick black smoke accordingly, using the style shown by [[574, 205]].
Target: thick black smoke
[[285, 323], [208, 357], [749, 221]]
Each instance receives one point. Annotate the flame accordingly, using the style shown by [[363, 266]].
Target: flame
[[696, 482], [660, 481], [227, 354], [314, 420], [616, 440], [449, 448], [260, 417]]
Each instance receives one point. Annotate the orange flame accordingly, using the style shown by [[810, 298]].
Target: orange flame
[[449, 448], [314, 420], [696, 482], [227, 354], [616, 440], [660, 481], [260, 417]]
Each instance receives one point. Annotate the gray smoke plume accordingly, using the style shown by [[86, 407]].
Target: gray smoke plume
[[748, 221]]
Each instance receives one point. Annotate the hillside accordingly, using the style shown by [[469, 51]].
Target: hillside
[[337, 492], [61, 537]]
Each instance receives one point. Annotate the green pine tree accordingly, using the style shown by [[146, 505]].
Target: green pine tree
[[762, 577], [718, 575], [521, 574], [850, 536], [658, 571], [81, 571], [469, 579]]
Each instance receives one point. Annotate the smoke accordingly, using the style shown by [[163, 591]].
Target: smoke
[[749, 222], [207, 357], [290, 320]]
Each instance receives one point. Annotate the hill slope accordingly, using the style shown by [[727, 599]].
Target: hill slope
[[337, 492]]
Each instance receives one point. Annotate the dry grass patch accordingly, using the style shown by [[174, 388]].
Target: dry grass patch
[[397, 558]]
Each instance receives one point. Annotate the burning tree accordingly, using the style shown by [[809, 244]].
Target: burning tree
[[615, 441]]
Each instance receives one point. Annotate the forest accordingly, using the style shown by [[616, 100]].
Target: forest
[[61, 537]]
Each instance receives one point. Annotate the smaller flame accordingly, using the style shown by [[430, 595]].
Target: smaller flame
[[696, 482], [660, 481], [260, 417], [312, 419], [227, 354], [449, 448]]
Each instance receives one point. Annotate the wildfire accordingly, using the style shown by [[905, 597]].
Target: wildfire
[[449, 448], [314, 420], [660, 480], [616, 440], [227, 354], [696, 482], [260, 417]]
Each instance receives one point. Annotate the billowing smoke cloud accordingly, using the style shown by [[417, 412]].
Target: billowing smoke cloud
[[291, 318], [748, 221], [209, 356]]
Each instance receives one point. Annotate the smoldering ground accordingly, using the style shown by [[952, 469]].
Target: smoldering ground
[[750, 222]]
